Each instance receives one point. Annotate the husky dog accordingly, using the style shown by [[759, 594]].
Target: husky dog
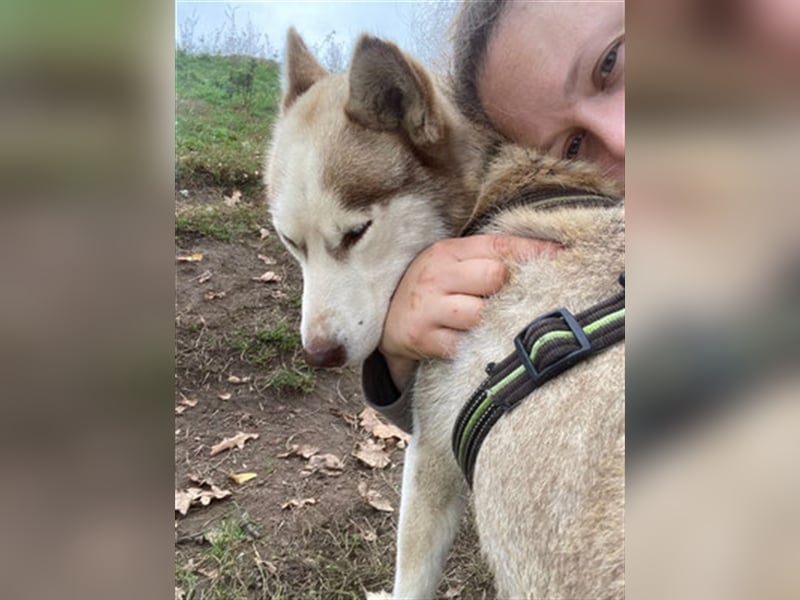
[[367, 168]]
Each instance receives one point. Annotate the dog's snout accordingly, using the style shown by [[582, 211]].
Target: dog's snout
[[325, 355]]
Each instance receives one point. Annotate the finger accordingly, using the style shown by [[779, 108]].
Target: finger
[[476, 277], [458, 312], [441, 343], [498, 246]]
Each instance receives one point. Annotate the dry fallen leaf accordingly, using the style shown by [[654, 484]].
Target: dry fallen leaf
[[373, 454], [368, 418], [236, 441], [209, 572], [268, 277], [368, 534], [212, 295], [304, 450], [183, 500], [374, 498], [268, 260], [183, 404], [295, 503], [327, 464], [240, 478], [233, 199], [186, 498], [238, 380], [225, 396], [453, 592], [371, 422], [196, 257], [204, 276], [263, 232]]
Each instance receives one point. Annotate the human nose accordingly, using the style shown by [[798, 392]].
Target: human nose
[[606, 120]]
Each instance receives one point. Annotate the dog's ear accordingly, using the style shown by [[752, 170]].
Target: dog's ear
[[302, 70], [390, 91]]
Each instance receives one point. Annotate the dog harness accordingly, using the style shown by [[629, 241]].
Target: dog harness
[[545, 348]]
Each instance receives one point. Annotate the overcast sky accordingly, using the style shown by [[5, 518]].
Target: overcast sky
[[314, 20]]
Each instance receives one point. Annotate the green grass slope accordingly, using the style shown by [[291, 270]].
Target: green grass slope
[[224, 108]]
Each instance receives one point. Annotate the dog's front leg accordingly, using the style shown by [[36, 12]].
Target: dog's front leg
[[432, 502]]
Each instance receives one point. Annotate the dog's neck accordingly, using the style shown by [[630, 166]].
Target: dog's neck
[[511, 176]]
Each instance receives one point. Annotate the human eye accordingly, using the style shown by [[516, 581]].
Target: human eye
[[607, 64], [573, 145]]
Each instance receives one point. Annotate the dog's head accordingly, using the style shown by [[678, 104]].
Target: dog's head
[[359, 171]]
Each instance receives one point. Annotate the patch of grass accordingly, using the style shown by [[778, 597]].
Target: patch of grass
[[186, 579], [282, 336], [218, 221], [227, 567], [262, 346], [276, 349], [224, 111], [301, 380]]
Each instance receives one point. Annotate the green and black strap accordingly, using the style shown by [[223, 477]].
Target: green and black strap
[[546, 347]]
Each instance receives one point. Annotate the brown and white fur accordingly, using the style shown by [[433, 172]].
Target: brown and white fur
[[366, 169]]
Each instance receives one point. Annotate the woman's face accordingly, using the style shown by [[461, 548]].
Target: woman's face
[[554, 79]]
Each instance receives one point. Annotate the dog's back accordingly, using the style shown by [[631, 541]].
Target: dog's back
[[548, 486], [549, 479]]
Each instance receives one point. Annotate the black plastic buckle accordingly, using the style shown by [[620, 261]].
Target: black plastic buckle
[[563, 362]]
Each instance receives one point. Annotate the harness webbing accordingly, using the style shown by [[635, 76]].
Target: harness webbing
[[545, 198], [546, 347]]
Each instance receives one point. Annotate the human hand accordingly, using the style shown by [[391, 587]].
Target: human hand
[[443, 292]]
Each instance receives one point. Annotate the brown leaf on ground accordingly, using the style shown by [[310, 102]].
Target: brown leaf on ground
[[267, 277], [371, 422], [374, 498], [209, 572], [367, 532], [200, 480], [327, 464], [303, 450], [237, 441], [204, 276], [264, 233], [183, 404], [195, 257], [267, 260], [295, 503], [454, 592], [194, 495], [233, 199], [238, 380], [212, 295], [225, 396], [373, 454]]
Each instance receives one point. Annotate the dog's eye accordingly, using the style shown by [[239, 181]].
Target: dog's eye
[[351, 237]]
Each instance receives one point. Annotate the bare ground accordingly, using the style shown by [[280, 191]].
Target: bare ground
[[258, 543]]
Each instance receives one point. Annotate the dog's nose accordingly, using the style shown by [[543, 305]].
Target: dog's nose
[[325, 355]]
